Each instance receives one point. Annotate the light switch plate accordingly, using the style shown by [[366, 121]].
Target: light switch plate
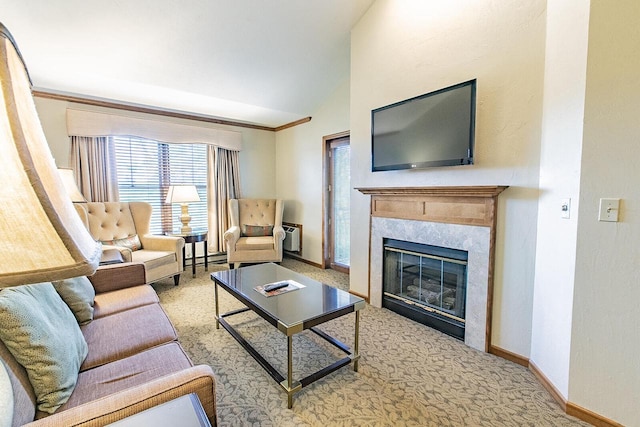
[[565, 207], [609, 209]]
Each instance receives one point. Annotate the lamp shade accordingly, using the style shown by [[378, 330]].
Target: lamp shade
[[182, 194], [69, 182], [42, 238]]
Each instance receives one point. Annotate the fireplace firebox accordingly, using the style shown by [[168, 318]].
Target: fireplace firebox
[[426, 283]]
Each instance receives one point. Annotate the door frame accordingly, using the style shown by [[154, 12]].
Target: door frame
[[326, 169]]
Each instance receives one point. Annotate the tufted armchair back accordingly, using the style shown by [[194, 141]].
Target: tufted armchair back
[[114, 220], [255, 212], [257, 215], [125, 227]]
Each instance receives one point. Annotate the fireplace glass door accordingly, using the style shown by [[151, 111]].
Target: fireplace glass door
[[428, 278]]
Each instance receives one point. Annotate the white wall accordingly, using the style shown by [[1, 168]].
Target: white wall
[[299, 171], [401, 49], [605, 344], [257, 158], [564, 89]]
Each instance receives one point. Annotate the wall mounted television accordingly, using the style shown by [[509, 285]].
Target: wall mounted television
[[434, 129]]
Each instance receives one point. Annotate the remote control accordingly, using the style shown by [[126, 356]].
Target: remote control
[[275, 286]]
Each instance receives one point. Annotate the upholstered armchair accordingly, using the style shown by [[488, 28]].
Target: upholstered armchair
[[125, 226], [256, 232]]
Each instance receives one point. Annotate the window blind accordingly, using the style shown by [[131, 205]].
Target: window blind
[[147, 168]]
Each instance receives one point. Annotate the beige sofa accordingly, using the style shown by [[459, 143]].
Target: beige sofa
[[134, 360], [125, 226], [256, 232]]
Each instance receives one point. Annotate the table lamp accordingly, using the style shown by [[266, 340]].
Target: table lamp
[[183, 194], [42, 238], [69, 182]]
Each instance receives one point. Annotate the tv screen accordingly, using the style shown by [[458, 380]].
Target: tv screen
[[434, 129]]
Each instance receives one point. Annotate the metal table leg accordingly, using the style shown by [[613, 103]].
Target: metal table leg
[[356, 354], [215, 297], [193, 259], [290, 371]]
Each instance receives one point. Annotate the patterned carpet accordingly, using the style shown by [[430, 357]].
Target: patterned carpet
[[409, 374]]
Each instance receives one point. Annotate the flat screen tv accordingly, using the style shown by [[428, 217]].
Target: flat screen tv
[[434, 129]]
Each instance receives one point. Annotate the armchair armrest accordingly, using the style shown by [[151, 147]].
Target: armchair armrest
[[163, 243], [118, 276], [278, 233], [125, 252], [232, 235], [197, 379]]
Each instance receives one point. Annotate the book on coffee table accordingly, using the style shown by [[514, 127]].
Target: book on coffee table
[[278, 288]]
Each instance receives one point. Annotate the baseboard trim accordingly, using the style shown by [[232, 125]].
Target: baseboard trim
[[589, 416], [306, 261], [505, 354], [568, 407], [548, 385], [571, 408]]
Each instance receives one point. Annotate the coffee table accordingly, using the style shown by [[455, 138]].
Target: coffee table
[[291, 313]]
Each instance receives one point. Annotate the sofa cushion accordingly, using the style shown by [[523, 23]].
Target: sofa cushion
[[153, 259], [254, 243], [43, 335], [134, 370], [123, 299], [257, 230], [79, 294], [126, 333]]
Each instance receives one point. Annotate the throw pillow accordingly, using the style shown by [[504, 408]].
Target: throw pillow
[[256, 230], [130, 242], [42, 334], [79, 294]]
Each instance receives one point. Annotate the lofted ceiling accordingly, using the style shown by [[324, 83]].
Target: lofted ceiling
[[268, 62]]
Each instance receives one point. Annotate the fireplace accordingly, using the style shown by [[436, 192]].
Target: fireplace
[[426, 283], [460, 223]]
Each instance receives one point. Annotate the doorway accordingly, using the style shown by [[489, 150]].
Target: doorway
[[337, 212]]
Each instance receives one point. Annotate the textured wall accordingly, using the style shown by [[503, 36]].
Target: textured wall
[[299, 170], [605, 344], [404, 49], [565, 77]]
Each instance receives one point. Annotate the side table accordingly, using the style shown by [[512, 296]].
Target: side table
[[194, 237], [185, 411]]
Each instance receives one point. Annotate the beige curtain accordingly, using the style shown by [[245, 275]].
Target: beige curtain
[[94, 163], [223, 172]]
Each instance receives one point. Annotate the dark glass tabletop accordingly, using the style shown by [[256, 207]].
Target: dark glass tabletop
[[314, 301]]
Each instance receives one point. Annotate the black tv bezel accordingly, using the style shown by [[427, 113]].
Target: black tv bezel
[[468, 160]]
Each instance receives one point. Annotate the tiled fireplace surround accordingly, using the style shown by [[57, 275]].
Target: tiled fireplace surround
[[451, 217]]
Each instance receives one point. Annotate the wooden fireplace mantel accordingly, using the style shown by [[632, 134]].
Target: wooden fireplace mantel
[[470, 205]]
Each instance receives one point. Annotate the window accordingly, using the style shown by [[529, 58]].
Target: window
[[147, 168]]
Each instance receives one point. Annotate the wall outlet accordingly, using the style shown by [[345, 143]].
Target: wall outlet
[[609, 209]]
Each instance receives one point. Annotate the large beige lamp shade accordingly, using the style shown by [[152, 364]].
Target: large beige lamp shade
[[183, 194], [42, 238], [69, 183]]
